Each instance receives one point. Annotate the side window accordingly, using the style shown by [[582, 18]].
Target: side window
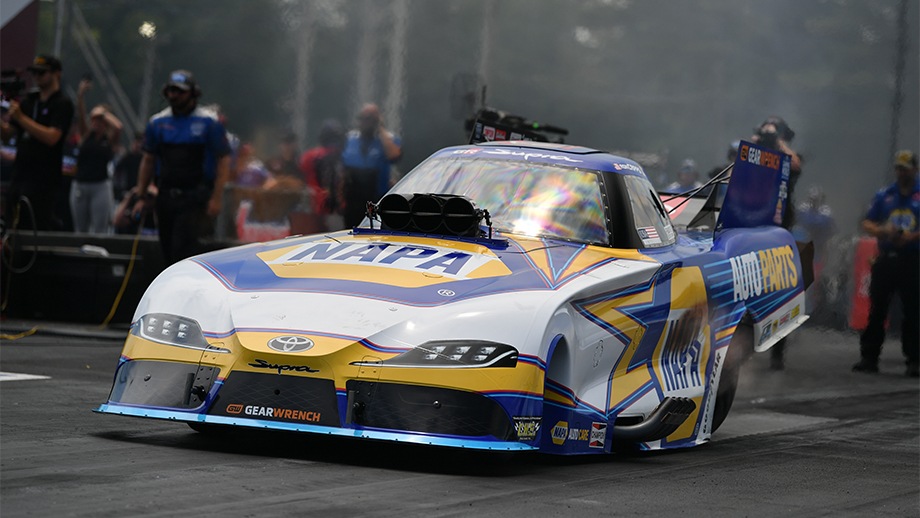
[[652, 222]]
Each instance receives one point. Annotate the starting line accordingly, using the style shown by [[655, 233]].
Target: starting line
[[15, 376]]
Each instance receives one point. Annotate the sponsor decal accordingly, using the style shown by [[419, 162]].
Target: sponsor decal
[[516, 136], [197, 128], [290, 343], [598, 435], [262, 364], [627, 167], [281, 413], [681, 366], [668, 232], [766, 332], [760, 157], [763, 272], [527, 155], [784, 320], [560, 433], [466, 151], [579, 434], [707, 425], [444, 261], [526, 428], [234, 408], [795, 311], [489, 133], [500, 135]]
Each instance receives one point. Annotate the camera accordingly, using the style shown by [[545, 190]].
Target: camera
[[767, 138], [11, 84]]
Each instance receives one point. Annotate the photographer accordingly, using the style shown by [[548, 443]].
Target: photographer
[[773, 133], [368, 153], [40, 124]]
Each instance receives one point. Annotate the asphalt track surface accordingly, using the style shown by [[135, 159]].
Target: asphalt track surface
[[812, 440]]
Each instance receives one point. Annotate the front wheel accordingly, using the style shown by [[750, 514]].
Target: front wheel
[[739, 350]]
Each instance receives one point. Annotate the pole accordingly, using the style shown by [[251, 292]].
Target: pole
[[59, 26], [147, 84], [898, 97]]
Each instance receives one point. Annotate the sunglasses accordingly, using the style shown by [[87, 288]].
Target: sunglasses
[[175, 90], [38, 72]]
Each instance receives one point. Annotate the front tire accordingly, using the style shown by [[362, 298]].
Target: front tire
[[739, 350]]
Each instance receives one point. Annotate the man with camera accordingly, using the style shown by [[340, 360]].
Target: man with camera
[[186, 146], [40, 124], [893, 218], [369, 151], [773, 133]]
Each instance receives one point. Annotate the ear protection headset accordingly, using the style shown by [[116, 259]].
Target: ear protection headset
[[184, 77]]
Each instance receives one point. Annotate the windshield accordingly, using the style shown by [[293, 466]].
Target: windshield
[[526, 198]]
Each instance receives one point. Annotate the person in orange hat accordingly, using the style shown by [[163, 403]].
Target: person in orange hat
[[893, 218]]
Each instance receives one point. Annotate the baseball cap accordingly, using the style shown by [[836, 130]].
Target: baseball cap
[[98, 111], [906, 159], [181, 79], [45, 62]]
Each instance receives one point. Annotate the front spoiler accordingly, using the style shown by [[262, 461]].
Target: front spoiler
[[404, 437]]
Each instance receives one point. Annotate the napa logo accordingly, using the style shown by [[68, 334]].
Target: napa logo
[[315, 259], [560, 433], [763, 272]]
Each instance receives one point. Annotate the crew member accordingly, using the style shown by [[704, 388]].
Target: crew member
[[369, 152], [892, 218], [186, 147]]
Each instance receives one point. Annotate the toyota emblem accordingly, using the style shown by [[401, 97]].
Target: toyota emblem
[[290, 343]]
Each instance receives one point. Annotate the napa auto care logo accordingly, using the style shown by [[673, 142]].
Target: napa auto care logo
[[763, 272], [446, 262]]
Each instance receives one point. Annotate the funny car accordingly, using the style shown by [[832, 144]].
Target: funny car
[[510, 296]]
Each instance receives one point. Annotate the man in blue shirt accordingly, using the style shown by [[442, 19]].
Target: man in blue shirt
[[893, 219], [369, 151], [186, 147]]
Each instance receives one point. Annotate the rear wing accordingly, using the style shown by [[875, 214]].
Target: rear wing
[[751, 192], [758, 190]]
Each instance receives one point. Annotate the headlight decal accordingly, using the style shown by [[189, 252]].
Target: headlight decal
[[454, 354], [174, 330]]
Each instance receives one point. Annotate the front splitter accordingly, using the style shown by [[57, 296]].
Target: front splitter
[[402, 437]]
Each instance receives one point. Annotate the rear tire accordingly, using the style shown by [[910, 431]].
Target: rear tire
[[739, 350]]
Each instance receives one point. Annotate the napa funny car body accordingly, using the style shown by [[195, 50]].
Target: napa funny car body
[[506, 296]]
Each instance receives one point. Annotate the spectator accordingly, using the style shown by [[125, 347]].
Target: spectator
[[773, 133], [40, 125], [322, 170], [125, 175], [187, 148], [286, 161], [687, 178], [126, 221], [250, 171], [91, 200], [369, 151], [815, 223], [893, 218]]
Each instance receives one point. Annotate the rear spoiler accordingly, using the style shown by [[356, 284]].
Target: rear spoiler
[[751, 192]]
